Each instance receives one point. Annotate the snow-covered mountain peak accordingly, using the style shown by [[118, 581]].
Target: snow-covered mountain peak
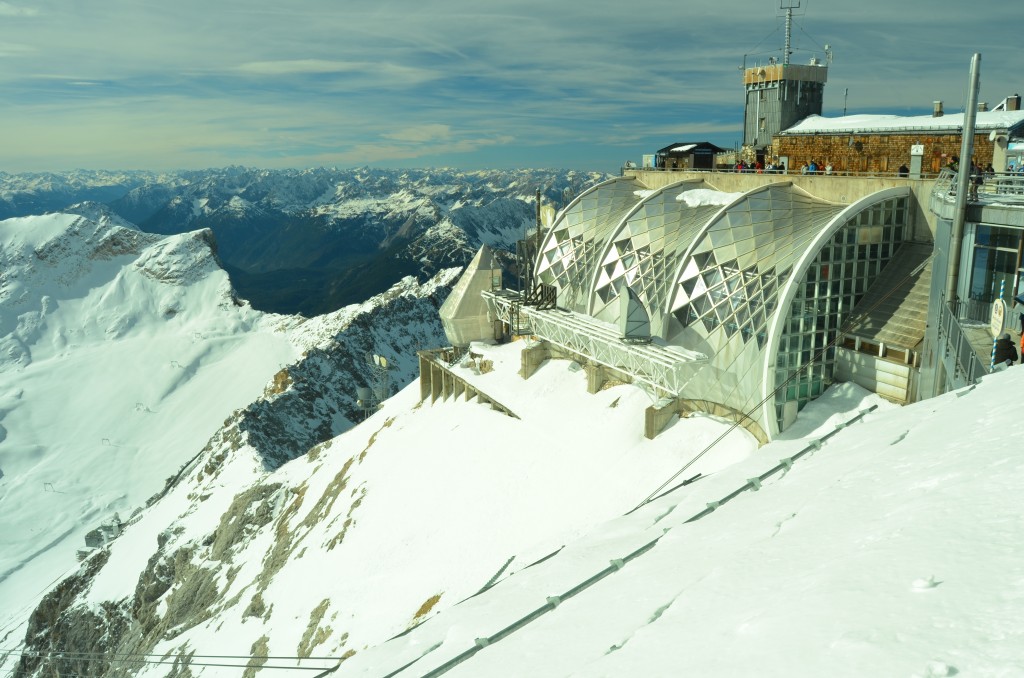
[[125, 355], [100, 214], [180, 259]]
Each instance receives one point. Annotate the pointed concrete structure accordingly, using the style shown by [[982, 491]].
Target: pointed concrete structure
[[464, 313]]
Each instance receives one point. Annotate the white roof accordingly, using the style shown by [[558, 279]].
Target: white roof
[[987, 120], [683, 149]]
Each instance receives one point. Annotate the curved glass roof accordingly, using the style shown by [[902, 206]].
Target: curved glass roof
[[733, 271], [647, 249], [575, 241]]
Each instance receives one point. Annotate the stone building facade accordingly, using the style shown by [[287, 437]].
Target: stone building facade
[[880, 144], [877, 153]]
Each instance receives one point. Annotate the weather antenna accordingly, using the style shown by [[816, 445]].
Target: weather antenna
[[789, 29]]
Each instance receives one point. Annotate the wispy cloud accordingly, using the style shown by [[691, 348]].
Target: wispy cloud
[[293, 66], [142, 83], [11, 49], [7, 9], [420, 133]]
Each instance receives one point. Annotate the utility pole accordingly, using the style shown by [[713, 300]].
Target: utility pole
[[963, 179]]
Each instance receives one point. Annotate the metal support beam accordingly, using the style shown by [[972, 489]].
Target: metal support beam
[[667, 368]]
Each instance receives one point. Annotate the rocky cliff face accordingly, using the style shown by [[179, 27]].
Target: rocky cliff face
[[190, 578], [314, 399]]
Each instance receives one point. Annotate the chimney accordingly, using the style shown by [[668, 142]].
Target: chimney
[[1013, 103], [936, 109], [982, 106]]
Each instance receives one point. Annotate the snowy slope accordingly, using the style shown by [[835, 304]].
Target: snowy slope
[[417, 502], [894, 549], [891, 547], [122, 353]]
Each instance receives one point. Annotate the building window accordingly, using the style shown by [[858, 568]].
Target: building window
[[995, 262]]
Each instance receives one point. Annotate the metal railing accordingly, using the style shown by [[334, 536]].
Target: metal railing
[[971, 309], [792, 172], [990, 188], [953, 342], [664, 367]]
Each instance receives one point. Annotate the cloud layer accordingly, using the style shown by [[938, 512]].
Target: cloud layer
[[156, 85]]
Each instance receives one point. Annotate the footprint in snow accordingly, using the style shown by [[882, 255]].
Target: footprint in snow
[[937, 669], [924, 584]]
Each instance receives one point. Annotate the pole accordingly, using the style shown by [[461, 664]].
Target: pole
[[963, 179], [789, 30]]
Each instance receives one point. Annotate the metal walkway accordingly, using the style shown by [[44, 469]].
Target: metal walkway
[[668, 368]]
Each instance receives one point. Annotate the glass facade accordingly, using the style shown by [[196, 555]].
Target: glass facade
[[647, 252], [759, 281], [730, 287], [995, 262], [826, 296]]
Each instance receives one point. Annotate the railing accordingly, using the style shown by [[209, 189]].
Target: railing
[[668, 368], [954, 342], [994, 187], [971, 309], [792, 172]]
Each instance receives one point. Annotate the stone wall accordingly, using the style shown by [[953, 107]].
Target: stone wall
[[876, 153]]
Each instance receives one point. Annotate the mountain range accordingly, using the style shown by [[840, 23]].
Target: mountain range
[[311, 241]]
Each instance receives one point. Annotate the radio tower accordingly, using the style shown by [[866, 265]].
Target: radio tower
[[778, 95]]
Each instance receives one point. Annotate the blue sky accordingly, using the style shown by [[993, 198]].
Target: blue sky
[[140, 84]]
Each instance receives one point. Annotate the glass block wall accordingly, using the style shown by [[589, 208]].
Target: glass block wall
[[826, 296]]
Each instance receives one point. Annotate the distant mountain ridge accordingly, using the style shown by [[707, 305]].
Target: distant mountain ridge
[[311, 241]]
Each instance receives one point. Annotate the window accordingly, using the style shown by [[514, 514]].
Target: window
[[994, 264]]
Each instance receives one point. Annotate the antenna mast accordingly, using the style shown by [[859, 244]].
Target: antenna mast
[[789, 29]]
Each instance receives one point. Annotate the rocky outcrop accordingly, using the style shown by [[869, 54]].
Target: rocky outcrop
[[303, 408], [65, 638], [315, 400]]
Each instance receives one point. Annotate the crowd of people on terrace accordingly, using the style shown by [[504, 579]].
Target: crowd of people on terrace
[[813, 167], [771, 167]]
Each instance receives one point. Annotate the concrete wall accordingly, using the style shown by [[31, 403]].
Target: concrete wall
[[887, 378], [438, 382]]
